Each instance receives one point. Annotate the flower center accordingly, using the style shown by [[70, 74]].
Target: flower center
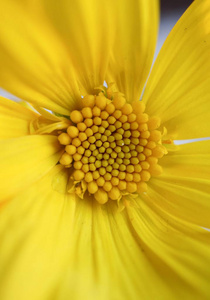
[[112, 147]]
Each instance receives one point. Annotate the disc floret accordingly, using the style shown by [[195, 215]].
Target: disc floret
[[112, 147]]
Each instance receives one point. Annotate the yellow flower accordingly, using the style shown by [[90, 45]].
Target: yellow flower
[[79, 221]]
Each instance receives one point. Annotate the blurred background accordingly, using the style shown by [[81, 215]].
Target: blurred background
[[171, 11]]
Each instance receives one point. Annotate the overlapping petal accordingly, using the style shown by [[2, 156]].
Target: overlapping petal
[[14, 119], [178, 89], [87, 28], [136, 27], [35, 64], [24, 160], [61, 243], [180, 256], [183, 190]]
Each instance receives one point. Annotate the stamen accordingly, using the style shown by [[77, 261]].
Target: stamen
[[113, 147]]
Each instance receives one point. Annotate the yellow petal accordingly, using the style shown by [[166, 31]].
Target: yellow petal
[[48, 241], [183, 189], [181, 259], [61, 244], [25, 160], [135, 27], [34, 240], [87, 29], [178, 89], [14, 119], [35, 64]]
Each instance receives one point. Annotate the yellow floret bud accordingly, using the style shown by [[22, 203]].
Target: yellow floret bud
[[100, 181], [96, 111], [78, 175], [121, 175], [86, 144], [87, 112], [153, 123], [88, 122], [114, 181], [136, 177], [134, 125], [117, 114], [145, 165], [77, 156], [101, 102], [92, 187], [145, 134], [114, 194], [104, 115], [64, 139], [138, 107], [105, 124], [88, 177], [118, 101], [147, 152], [110, 108], [126, 126], [101, 129], [143, 118], [87, 153], [92, 139], [141, 187], [128, 177], [130, 169], [158, 151], [102, 171], [85, 168], [135, 133], [145, 175], [94, 128], [76, 116], [76, 142], [77, 165], [72, 131], [66, 159], [101, 196], [123, 119], [127, 133], [89, 132], [131, 187], [143, 127], [107, 176], [80, 150], [155, 170], [70, 149], [152, 160], [81, 126], [82, 136], [111, 120], [137, 168], [134, 160], [115, 172], [122, 185], [155, 135], [132, 118], [127, 109], [97, 121], [107, 186], [151, 145], [96, 175], [88, 100], [122, 167]]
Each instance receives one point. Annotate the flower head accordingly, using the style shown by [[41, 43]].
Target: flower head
[[97, 202]]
